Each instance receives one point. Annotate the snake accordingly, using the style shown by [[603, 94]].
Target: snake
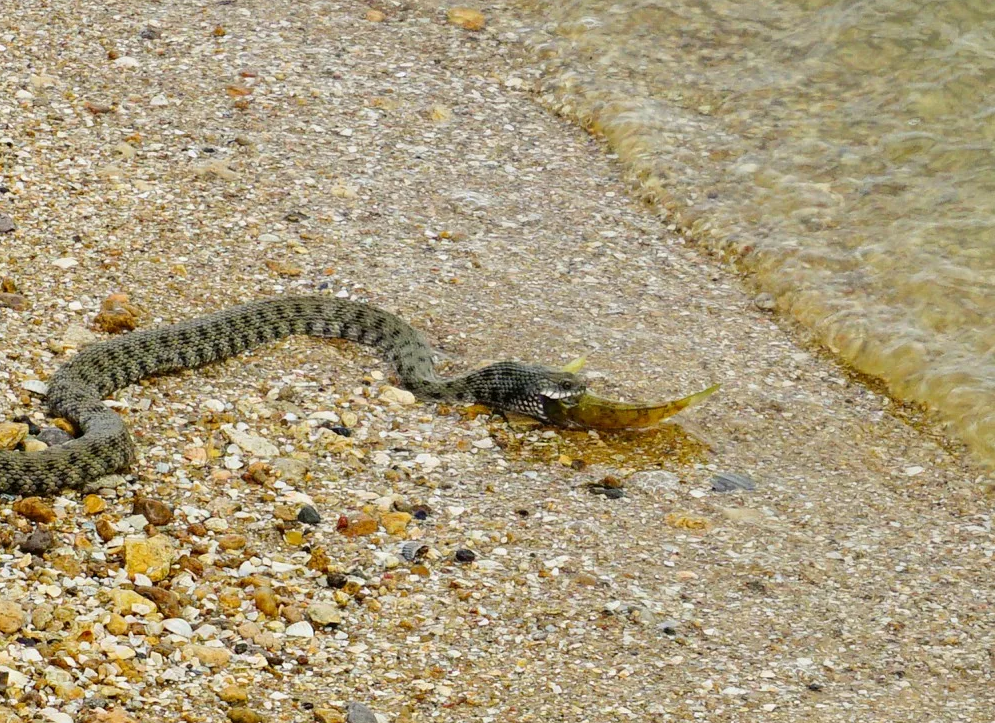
[[76, 389]]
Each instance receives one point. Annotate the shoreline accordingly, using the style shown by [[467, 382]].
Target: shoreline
[[404, 162]]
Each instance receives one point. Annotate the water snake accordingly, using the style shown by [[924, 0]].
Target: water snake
[[76, 389]]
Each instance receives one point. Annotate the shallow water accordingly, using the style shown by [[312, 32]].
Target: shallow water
[[844, 149]]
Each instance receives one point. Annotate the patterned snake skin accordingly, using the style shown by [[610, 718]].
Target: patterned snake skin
[[76, 389]]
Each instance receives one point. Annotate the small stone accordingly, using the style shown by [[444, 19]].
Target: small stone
[[729, 481], [308, 515], [66, 262], [244, 715], [231, 542], [106, 529], [301, 629], [349, 419], [359, 713], [12, 434], [149, 556], [11, 617], [209, 655], [293, 537], [178, 626], [765, 302], [35, 509], [158, 101], [397, 396], [17, 302], [395, 522], [167, 601], [358, 526], [38, 542], [117, 625], [292, 470], [233, 694], [156, 512], [319, 560], [127, 602], [117, 314], [76, 336], [33, 445], [266, 602], [465, 555], [375, 16], [321, 715], [252, 444], [6, 224], [466, 18], [321, 613]]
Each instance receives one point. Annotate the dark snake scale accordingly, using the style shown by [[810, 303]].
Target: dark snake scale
[[77, 389]]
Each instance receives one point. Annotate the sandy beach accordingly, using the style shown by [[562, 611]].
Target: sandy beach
[[195, 155]]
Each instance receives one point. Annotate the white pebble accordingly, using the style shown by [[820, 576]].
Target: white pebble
[[66, 262], [302, 629]]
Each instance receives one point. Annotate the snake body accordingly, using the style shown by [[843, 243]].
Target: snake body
[[76, 389]]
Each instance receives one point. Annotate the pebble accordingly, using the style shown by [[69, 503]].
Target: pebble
[[301, 629], [66, 262], [359, 713], [156, 512], [6, 223], [35, 386], [322, 613], [178, 626], [729, 481], [11, 617], [395, 523], [209, 655], [466, 18], [126, 602], [38, 542], [12, 434], [35, 509], [17, 302], [233, 694], [231, 542], [398, 396], [265, 601], [308, 515], [244, 715], [151, 556], [465, 555], [250, 443]]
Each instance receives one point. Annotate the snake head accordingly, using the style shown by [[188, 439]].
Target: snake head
[[526, 388]]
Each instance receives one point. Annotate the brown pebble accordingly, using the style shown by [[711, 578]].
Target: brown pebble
[[197, 529], [117, 314], [358, 526], [319, 560], [233, 694], [13, 301], [35, 509], [105, 529], [375, 16], [8, 285], [156, 512], [167, 601], [244, 715], [191, 565], [265, 601], [38, 542], [231, 542]]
